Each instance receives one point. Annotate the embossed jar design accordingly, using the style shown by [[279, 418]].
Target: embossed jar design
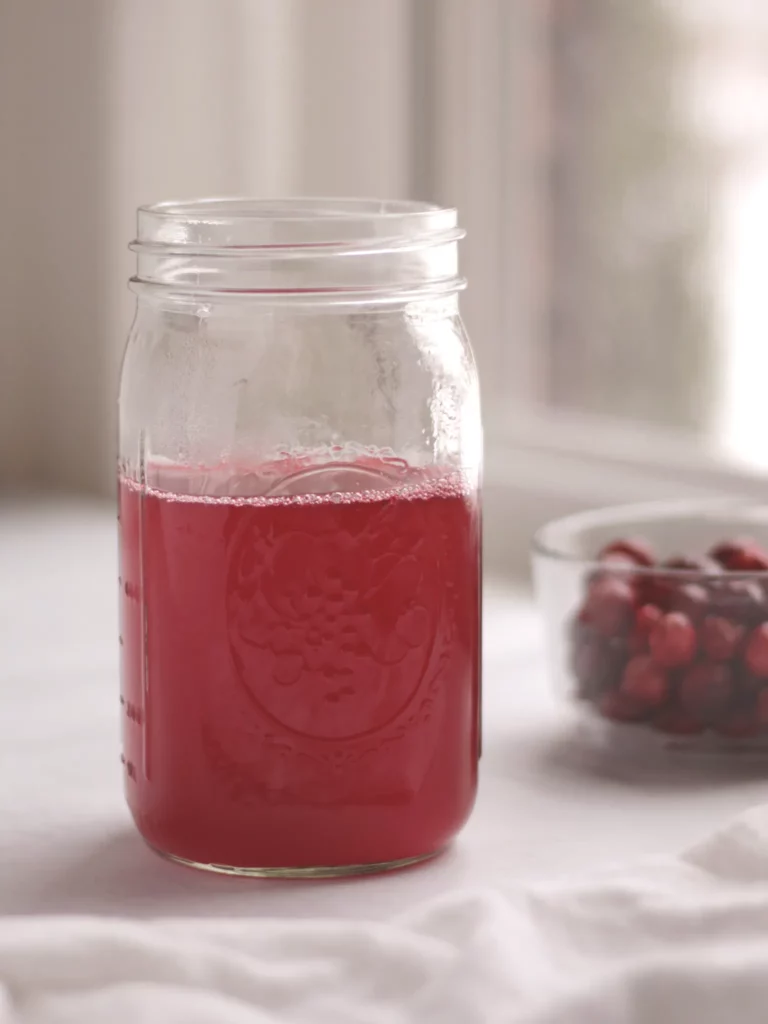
[[300, 451]]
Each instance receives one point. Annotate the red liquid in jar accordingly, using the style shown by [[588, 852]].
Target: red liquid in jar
[[300, 678]]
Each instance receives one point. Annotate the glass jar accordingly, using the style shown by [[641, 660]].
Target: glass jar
[[656, 620], [300, 449]]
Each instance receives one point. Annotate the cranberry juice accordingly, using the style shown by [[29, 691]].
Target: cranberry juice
[[300, 674]]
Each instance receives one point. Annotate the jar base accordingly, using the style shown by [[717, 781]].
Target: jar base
[[323, 871]]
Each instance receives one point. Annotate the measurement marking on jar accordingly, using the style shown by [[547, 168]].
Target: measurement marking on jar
[[129, 766], [143, 603]]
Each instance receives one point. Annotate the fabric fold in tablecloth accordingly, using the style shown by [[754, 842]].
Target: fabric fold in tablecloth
[[667, 942]]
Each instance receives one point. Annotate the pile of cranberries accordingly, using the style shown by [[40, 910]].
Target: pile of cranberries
[[679, 646]]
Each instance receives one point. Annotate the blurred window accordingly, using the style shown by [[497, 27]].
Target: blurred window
[[652, 219]]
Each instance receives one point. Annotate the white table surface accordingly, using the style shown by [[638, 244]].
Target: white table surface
[[66, 840]]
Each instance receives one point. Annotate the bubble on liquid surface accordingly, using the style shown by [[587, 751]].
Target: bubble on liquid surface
[[451, 485], [337, 474]]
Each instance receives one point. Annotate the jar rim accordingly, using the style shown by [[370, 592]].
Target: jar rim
[[300, 222], [374, 248]]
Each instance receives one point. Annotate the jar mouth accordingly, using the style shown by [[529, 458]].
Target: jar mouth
[[267, 223], [297, 245]]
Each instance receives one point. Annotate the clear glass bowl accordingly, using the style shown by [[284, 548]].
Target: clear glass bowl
[[667, 656]]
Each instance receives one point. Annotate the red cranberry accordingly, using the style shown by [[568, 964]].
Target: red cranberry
[[682, 588], [620, 708], [720, 639], [756, 652], [690, 598], [675, 593], [657, 589], [728, 549], [754, 559], [677, 722], [706, 690], [610, 605], [673, 640], [741, 555], [636, 549], [646, 618], [645, 682]]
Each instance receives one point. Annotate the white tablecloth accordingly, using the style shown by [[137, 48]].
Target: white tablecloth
[[66, 841]]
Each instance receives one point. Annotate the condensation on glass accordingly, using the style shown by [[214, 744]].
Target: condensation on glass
[[300, 450]]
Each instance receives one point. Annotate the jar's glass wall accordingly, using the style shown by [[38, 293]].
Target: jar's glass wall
[[229, 388]]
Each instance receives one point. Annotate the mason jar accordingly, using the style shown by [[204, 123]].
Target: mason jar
[[299, 470]]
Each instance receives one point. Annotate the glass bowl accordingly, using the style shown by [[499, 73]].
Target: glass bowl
[[656, 622]]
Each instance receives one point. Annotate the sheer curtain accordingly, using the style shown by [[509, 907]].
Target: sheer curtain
[[105, 104]]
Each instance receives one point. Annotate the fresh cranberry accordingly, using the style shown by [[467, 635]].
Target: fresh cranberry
[[657, 590], [620, 708], [741, 555], [720, 638], [645, 682], [636, 549], [726, 550], [646, 617], [690, 598], [610, 605], [737, 599], [673, 640], [705, 690], [756, 652], [754, 559], [677, 722], [676, 593], [682, 588]]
